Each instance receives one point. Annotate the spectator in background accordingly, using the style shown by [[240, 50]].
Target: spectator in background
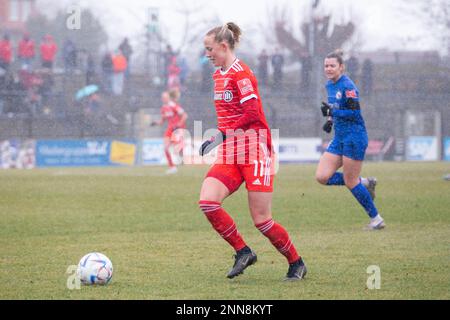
[[127, 51], [207, 71], [277, 65], [69, 56], [90, 69], [45, 89], [184, 70], [17, 93], [167, 58], [119, 66], [92, 105], [263, 60], [367, 77], [48, 51], [353, 68], [5, 61], [173, 80], [107, 72], [26, 52], [307, 67], [5, 53]]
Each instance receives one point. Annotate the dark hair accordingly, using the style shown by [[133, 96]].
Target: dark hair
[[229, 32], [336, 54]]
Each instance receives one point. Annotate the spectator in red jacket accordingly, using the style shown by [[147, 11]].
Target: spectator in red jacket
[[5, 53], [48, 51], [119, 66], [26, 51]]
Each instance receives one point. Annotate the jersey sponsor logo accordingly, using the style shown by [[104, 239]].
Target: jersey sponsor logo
[[245, 86], [227, 96], [338, 95], [217, 96], [351, 94]]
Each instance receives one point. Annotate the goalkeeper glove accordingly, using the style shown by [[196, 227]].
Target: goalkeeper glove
[[328, 126], [326, 109], [210, 144]]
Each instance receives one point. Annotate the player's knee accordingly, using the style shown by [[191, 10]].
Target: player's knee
[[321, 178], [207, 206]]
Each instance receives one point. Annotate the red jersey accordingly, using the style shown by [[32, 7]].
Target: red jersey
[[48, 51], [26, 49], [172, 113], [232, 88], [5, 51]]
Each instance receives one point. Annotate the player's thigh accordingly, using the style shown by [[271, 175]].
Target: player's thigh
[[329, 163], [213, 190], [220, 181]]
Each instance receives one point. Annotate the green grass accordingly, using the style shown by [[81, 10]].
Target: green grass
[[162, 247]]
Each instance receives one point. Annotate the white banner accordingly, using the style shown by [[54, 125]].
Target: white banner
[[298, 149], [422, 149]]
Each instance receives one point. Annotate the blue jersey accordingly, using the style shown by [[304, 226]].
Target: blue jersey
[[347, 117]]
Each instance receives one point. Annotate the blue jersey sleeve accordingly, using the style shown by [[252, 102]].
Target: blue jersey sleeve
[[350, 103], [345, 114]]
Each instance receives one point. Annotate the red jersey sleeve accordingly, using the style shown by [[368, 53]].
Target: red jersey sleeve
[[246, 86], [179, 110]]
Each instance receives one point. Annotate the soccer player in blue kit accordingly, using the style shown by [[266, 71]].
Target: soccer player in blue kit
[[348, 147]]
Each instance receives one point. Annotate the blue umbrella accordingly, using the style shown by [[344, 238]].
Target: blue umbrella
[[86, 91]]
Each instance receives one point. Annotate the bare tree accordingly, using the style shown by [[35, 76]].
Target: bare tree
[[327, 36], [436, 16]]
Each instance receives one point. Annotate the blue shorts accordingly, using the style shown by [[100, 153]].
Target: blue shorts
[[354, 148]]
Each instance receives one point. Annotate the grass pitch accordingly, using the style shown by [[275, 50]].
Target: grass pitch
[[162, 247]]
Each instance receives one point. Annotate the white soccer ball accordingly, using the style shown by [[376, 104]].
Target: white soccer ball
[[95, 268]]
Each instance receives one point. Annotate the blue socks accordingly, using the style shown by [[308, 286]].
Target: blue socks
[[337, 179], [360, 192], [363, 196]]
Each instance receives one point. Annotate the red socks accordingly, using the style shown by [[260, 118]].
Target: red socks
[[279, 237], [222, 223], [225, 226], [168, 157]]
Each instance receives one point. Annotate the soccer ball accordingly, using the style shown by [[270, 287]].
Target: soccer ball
[[95, 268]]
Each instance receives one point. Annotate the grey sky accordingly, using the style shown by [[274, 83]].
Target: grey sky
[[381, 24]]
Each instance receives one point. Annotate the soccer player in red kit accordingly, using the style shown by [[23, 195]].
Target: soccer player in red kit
[[176, 117], [245, 154]]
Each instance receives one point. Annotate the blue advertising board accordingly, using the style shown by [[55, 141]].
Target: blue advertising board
[[447, 149], [74, 153], [56, 153], [152, 152], [422, 149]]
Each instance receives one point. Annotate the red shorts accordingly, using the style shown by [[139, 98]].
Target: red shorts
[[258, 176]]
